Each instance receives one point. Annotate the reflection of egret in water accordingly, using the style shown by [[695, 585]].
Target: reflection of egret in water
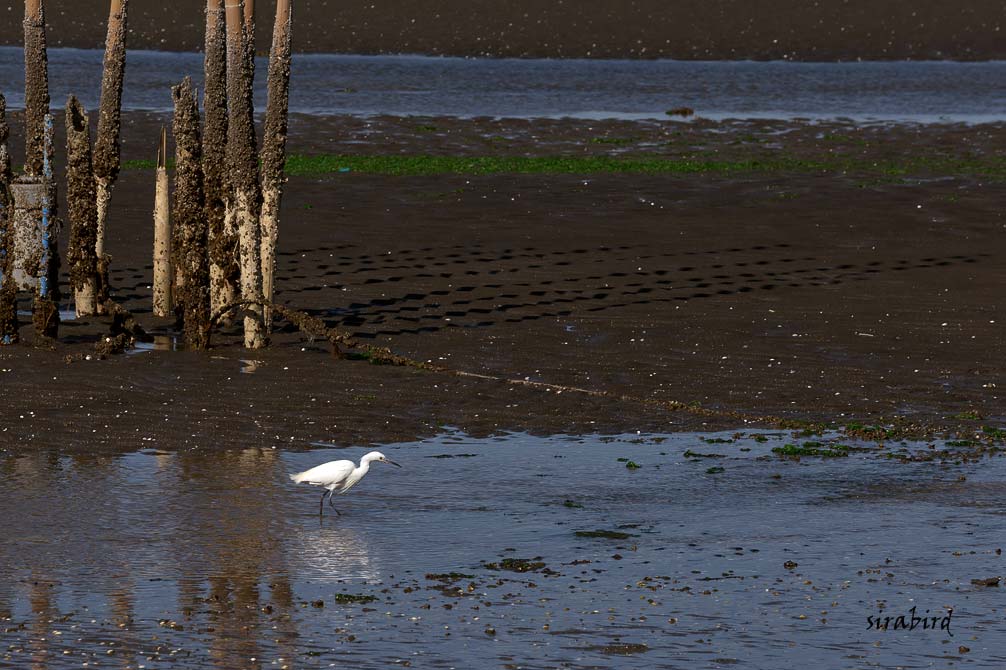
[[332, 553]]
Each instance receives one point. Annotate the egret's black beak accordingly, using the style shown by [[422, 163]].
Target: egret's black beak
[[388, 460]]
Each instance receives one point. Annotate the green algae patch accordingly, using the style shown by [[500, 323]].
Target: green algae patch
[[425, 165], [353, 599], [811, 449], [994, 433], [603, 534], [518, 564], [448, 576], [694, 454], [620, 648]]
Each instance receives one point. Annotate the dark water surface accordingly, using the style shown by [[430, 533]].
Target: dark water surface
[[590, 89], [204, 558]]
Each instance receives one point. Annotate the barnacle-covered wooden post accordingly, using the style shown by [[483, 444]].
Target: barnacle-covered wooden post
[[244, 195], [27, 194], [274, 147], [224, 273], [106, 147], [162, 233], [188, 217], [8, 288], [82, 209], [45, 310], [36, 85], [249, 42]]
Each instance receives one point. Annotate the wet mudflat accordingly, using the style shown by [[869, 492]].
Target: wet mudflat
[[513, 552], [829, 290]]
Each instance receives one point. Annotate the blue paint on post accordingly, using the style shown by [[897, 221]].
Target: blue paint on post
[[43, 279]]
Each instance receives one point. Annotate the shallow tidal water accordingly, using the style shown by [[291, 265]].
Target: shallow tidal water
[[204, 558], [328, 84]]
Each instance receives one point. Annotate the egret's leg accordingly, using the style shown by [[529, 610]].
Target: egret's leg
[[337, 512], [321, 505]]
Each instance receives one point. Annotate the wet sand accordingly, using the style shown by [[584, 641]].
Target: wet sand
[[691, 29], [813, 295]]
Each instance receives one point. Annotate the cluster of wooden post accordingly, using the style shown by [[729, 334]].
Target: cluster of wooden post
[[225, 211], [29, 224]]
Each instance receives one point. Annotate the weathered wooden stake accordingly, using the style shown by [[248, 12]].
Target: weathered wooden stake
[[106, 147], [249, 38], [274, 147], [8, 287], [244, 195], [162, 234], [187, 213], [81, 209], [36, 85], [225, 274]]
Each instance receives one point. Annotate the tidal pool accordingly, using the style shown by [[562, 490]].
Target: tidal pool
[[714, 552]]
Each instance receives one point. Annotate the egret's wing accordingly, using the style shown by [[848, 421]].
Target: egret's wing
[[326, 473]]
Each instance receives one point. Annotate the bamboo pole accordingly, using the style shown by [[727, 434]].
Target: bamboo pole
[[162, 233], [187, 213], [244, 195], [274, 147], [45, 310], [223, 236], [81, 209], [36, 85], [8, 287], [106, 147]]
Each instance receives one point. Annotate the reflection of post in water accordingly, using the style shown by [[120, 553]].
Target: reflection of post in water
[[6, 597], [123, 600], [236, 547], [8, 466], [234, 607], [280, 609], [40, 599]]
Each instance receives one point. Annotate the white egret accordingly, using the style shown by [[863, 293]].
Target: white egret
[[339, 476]]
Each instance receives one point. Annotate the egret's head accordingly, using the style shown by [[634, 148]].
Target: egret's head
[[378, 456]]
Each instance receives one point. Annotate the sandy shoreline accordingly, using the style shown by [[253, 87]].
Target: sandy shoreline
[[695, 29]]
